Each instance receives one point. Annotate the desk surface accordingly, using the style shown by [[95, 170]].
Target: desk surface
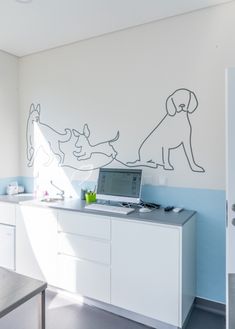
[[16, 289]]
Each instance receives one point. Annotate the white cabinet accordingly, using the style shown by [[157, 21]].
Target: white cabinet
[[142, 267], [148, 270], [36, 243], [84, 254], [7, 235], [7, 213], [7, 246]]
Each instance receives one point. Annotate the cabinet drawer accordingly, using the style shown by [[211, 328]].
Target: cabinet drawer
[[84, 224], [83, 247], [7, 213], [86, 278], [37, 213]]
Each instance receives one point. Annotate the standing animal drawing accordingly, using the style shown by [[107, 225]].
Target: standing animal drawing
[[85, 150], [52, 138], [173, 131]]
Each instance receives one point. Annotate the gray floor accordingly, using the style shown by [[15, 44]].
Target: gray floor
[[62, 313], [205, 320]]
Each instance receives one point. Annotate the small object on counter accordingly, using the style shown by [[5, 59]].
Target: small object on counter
[[145, 209], [82, 194], [178, 209], [169, 208], [90, 197], [12, 188], [150, 205], [46, 194], [20, 189]]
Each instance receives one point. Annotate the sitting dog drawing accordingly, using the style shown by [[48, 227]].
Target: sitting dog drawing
[[172, 131], [52, 137], [85, 150]]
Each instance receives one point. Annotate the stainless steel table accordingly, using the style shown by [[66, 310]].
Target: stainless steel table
[[17, 289]]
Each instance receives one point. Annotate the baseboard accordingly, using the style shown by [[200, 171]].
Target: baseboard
[[203, 304], [210, 306]]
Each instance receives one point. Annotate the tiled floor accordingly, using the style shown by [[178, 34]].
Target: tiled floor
[[62, 313]]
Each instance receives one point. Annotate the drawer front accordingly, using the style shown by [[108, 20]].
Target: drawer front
[[86, 278], [84, 248], [7, 213], [84, 224], [37, 213]]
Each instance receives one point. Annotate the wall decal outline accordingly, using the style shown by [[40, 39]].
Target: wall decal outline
[[84, 145], [181, 102], [179, 105], [53, 138]]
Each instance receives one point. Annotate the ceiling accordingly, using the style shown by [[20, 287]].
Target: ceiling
[[27, 28]]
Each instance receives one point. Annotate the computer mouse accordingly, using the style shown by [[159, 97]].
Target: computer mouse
[[145, 209]]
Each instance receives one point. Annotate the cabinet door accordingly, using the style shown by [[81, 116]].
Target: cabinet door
[[7, 213], [36, 243], [145, 276], [7, 246]]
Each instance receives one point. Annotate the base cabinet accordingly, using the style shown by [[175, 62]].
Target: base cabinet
[[142, 267], [147, 270], [7, 246], [36, 243], [7, 235]]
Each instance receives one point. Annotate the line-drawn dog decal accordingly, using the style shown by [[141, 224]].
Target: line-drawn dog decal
[[173, 130], [52, 137], [86, 150]]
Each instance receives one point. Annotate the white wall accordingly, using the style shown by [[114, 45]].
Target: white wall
[[9, 123], [120, 82]]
